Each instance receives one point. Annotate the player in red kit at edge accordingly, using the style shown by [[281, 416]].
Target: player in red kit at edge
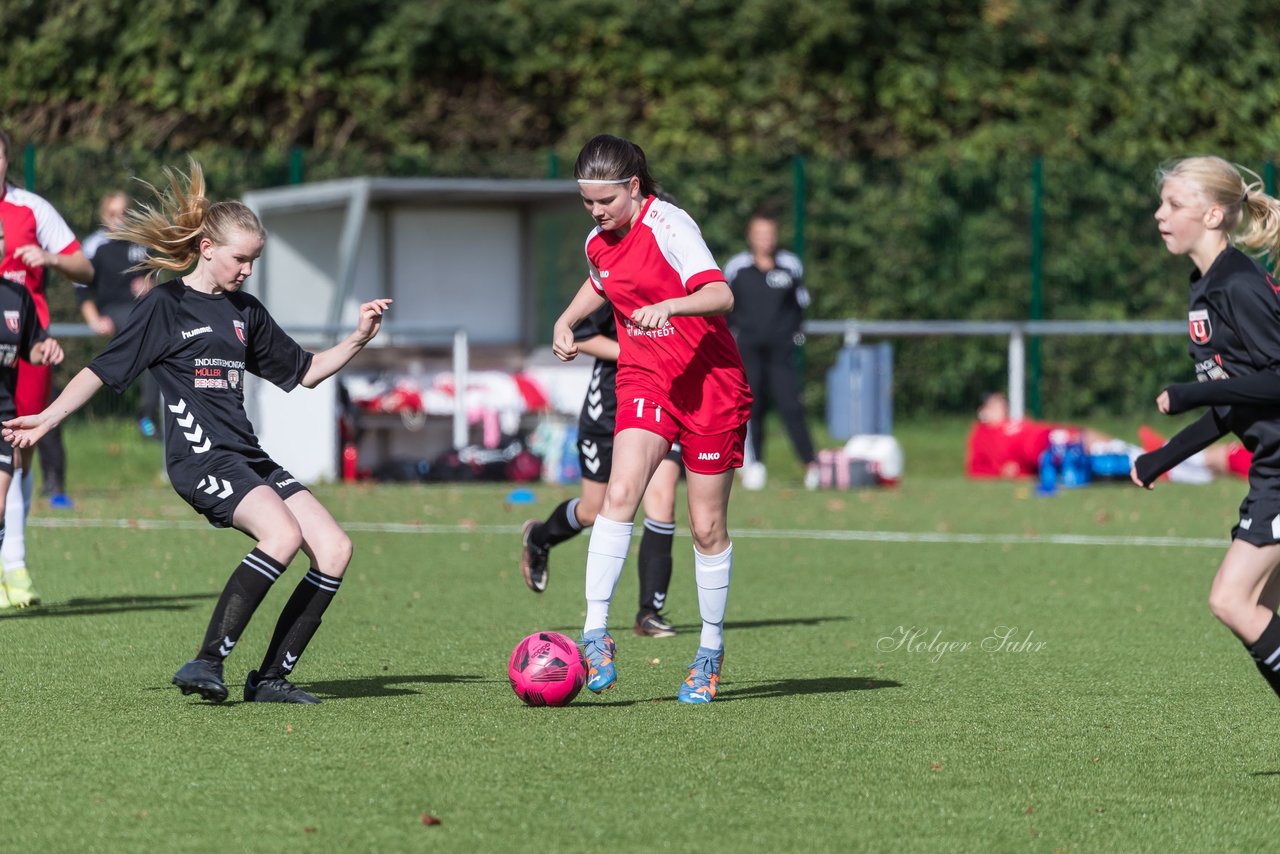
[[680, 379], [39, 240]]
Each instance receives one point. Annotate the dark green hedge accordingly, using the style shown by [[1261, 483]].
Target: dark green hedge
[[918, 122]]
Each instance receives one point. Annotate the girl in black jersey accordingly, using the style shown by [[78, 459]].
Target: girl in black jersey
[[597, 336], [1207, 210], [198, 335]]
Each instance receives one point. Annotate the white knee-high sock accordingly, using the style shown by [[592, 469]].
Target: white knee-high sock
[[606, 554], [712, 574], [13, 552]]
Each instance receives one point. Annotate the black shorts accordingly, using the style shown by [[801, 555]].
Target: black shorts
[[595, 456], [7, 455], [215, 485], [1259, 518]]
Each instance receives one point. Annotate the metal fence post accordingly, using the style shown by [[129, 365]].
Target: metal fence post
[[1017, 373]]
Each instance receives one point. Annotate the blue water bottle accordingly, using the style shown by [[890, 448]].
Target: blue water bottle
[[1048, 474], [1075, 466]]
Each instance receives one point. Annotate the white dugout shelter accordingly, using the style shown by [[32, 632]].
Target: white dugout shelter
[[456, 255]]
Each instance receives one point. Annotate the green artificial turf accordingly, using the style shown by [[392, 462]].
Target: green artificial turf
[[1117, 715]]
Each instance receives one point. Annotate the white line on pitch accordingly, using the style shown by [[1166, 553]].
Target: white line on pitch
[[738, 533]]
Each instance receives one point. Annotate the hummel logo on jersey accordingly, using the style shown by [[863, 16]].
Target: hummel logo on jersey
[[194, 332], [226, 646], [1246, 524], [703, 455], [11, 320]]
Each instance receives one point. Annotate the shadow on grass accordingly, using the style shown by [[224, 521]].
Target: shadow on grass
[[797, 687], [386, 686], [345, 689], [738, 690], [731, 625], [109, 605]]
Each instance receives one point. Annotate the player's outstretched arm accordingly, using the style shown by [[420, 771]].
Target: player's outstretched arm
[[327, 363], [1258, 389], [1193, 438], [25, 430]]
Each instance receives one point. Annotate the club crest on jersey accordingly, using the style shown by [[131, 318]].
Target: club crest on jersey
[[11, 320], [239, 324], [1198, 322], [233, 378]]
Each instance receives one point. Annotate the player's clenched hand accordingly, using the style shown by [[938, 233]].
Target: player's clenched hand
[[25, 430], [371, 318], [46, 352], [652, 316], [33, 256], [562, 343], [1133, 476], [1162, 402]]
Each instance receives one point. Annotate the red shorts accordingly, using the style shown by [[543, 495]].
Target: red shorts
[[35, 388], [1238, 459], [702, 454]]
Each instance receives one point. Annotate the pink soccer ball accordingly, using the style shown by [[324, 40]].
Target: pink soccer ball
[[546, 669]]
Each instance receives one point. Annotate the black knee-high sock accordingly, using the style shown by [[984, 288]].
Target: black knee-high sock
[[245, 590], [561, 525], [298, 622], [1266, 653], [655, 563]]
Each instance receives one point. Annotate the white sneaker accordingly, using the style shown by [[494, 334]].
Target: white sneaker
[[812, 477], [754, 476]]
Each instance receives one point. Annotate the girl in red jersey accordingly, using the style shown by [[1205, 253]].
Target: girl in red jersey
[[680, 379]]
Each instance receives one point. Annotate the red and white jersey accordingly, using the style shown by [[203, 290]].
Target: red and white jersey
[[692, 366], [29, 219]]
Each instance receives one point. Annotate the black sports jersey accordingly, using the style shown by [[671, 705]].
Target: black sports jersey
[[198, 347], [112, 285], [1234, 328], [600, 408], [767, 306], [20, 332]]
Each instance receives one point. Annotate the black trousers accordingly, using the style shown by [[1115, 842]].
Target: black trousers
[[774, 377]]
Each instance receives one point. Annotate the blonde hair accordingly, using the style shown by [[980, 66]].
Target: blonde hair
[[181, 216], [1241, 195]]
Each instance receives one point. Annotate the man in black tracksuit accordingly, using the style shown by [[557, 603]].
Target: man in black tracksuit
[[768, 310]]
